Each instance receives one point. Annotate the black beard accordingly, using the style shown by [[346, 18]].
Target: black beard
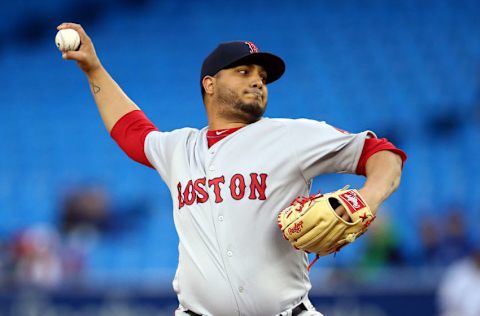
[[236, 109], [254, 110]]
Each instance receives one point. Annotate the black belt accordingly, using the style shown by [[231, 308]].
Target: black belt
[[295, 312]]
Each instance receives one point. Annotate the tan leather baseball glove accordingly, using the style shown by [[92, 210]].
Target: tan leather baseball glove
[[311, 223]]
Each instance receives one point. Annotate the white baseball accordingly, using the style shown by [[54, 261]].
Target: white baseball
[[67, 39]]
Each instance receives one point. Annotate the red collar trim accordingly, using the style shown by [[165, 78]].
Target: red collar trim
[[217, 135]]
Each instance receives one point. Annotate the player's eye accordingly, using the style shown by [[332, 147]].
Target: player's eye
[[243, 71]]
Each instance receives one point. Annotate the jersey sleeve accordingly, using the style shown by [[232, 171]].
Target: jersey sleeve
[[165, 150], [130, 131], [321, 148], [374, 145]]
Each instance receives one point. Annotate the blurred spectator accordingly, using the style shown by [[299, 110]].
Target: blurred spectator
[[459, 290], [382, 250], [7, 264], [50, 257], [455, 242], [37, 259], [41, 261], [86, 209], [446, 241], [382, 247], [87, 213], [430, 242]]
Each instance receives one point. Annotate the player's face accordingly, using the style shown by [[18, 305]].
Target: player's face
[[242, 93]]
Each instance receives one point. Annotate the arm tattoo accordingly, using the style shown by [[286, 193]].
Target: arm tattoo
[[95, 89]]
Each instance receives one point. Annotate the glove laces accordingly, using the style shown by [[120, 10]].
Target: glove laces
[[313, 262]]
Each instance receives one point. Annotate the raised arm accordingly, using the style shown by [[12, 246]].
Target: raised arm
[[112, 102]]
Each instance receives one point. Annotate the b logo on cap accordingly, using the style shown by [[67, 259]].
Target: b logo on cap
[[253, 47]]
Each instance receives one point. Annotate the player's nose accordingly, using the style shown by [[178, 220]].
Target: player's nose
[[257, 82]]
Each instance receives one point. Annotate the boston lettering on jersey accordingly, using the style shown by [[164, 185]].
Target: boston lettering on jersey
[[238, 187]]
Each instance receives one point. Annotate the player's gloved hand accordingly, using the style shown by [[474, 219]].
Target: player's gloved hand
[[312, 224], [85, 56]]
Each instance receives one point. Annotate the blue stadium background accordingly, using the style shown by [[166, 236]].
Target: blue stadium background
[[408, 70]]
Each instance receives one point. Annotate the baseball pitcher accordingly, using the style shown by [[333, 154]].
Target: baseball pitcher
[[240, 186]]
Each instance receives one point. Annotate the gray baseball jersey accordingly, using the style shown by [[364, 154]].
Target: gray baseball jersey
[[233, 259]]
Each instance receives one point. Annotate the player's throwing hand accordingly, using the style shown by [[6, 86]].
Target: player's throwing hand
[[85, 56]]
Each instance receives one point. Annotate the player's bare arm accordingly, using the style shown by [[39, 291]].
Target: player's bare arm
[[383, 171], [111, 101]]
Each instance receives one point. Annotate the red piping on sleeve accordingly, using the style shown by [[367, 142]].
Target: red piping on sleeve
[[130, 131], [374, 145]]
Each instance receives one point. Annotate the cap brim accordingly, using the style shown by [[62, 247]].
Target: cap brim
[[273, 65]]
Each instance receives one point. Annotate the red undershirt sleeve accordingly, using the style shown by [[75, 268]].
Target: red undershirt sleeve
[[130, 131], [374, 145]]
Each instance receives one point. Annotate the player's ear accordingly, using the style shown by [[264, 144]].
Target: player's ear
[[208, 83]]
